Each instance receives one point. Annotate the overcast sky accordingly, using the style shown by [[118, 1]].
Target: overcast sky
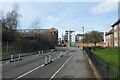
[[67, 15]]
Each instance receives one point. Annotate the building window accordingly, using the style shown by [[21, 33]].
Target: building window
[[115, 34], [106, 37], [109, 43], [119, 33], [109, 36], [115, 27], [116, 43]]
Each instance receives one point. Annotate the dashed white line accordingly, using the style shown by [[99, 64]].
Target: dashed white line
[[61, 67]]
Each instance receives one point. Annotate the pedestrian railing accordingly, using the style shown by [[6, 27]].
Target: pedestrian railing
[[104, 69]]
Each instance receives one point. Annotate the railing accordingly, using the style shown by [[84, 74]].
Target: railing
[[104, 69]]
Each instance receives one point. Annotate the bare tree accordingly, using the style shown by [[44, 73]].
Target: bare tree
[[12, 18], [36, 24]]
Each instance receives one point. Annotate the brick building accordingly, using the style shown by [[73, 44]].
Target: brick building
[[109, 39], [35, 33], [113, 36], [116, 32]]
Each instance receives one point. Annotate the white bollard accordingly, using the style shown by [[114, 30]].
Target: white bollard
[[11, 60], [42, 52], [46, 59], [39, 53], [49, 58], [66, 52], [19, 57], [61, 54]]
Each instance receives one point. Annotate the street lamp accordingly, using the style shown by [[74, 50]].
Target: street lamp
[[83, 38]]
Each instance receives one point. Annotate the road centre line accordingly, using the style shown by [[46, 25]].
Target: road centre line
[[33, 69], [61, 67], [29, 71]]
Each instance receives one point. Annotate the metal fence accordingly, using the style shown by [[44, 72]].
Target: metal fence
[[105, 69]]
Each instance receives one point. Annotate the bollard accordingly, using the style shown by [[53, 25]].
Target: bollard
[[39, 53], [19, 57], [42, 52], [67, 51], [61, 54], [11, 60], [46, 58], [50, 58]]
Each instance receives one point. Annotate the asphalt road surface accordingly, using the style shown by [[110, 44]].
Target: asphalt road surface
[[34, 66]]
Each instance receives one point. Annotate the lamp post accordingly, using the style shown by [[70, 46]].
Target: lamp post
[[83, 38]]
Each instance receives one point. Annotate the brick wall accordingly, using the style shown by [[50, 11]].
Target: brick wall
[[87, 44]]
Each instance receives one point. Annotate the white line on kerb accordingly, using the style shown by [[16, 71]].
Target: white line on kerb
[[61, 67]]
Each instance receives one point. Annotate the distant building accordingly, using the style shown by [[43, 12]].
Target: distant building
[[59, 41], [54, 32], [34, 33], [73, 37], [69, 36], [78, 38]]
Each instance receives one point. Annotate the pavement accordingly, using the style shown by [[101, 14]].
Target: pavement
[[76, 67], [71, 64]]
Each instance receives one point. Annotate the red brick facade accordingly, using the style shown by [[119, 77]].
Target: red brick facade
[[113, 36]]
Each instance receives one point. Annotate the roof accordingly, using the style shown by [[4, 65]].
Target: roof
[[79, 34], [110, 32], [53, 29], [117, 22]]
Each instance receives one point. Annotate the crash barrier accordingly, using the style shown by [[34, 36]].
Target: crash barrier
[[104, 69]]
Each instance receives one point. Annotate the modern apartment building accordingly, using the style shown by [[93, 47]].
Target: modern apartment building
[[79, 37], [69, 36]]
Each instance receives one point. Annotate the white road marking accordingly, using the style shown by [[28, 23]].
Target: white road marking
[[33, 70], [5, 62], [55, 58], [29, 71], [61, 67]]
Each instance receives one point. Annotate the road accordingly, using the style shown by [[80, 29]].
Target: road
[[34, 66]]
